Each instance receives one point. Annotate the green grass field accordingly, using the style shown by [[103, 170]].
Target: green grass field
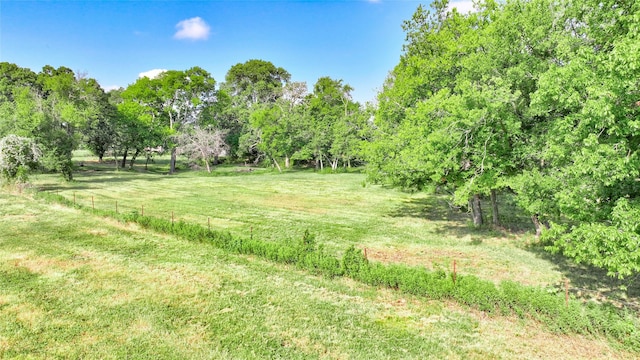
[[340, 210], [76, 285]]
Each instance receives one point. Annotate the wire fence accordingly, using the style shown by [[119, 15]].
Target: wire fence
[[111, 204]]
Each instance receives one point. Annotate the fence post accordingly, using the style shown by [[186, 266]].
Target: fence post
[[455, 273]]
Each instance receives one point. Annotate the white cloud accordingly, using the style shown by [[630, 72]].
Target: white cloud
[[151, 74], [192, 29], [110, 87], [463, 6]]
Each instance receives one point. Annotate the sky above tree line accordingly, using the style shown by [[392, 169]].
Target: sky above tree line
[[358, 41]]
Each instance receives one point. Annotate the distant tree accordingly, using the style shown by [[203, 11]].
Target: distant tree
[[331, 122], [99, 130], [278, 128], [202, 144], [66, 110], [256, 81], [251, 86], [175, 98]]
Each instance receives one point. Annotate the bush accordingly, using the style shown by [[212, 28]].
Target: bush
[[17, 156]]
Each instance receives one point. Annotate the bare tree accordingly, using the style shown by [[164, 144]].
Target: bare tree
[[202, 144]]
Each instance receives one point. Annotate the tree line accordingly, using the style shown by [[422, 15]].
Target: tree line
[[534, 99], [257, 115]]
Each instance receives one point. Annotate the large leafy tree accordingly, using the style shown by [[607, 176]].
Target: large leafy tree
[[50, 107], [99, 129], [279, 127], [330, 110], [174, 99], [535, 96], [69, 101], [251, 86], [432, 111], [256, 81], [591, 162]]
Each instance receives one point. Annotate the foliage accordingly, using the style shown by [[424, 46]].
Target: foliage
[[17, 156], [527, 96], [52, 107], [256, 81], [170, 102]]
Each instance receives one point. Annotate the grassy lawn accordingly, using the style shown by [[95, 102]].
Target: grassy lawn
[[74, 285], [341, 210]]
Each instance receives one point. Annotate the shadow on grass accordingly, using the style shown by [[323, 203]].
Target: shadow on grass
[[591, 283], [585, 282], [105, 176], [452, 221]]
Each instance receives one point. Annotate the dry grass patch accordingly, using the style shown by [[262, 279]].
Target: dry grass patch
[[468, 261], [27, 314]]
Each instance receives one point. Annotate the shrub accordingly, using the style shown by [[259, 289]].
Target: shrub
[[17, 155]]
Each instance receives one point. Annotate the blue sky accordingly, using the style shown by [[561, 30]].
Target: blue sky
[[357, 41]]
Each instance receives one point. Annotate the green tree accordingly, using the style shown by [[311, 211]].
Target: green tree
[[256, 82], [330, 115], [251, 86], [99, 132], [174, 98], [589, 157], [279, 126]]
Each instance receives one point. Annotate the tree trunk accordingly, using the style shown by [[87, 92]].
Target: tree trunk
[[333, 162], [476, 210], [172, 164], [538, 224], [287, 162], [494, 208], [277, 165], [124, 159], [133, 159]]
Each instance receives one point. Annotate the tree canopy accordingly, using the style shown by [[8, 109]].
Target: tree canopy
[[536, 98]]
